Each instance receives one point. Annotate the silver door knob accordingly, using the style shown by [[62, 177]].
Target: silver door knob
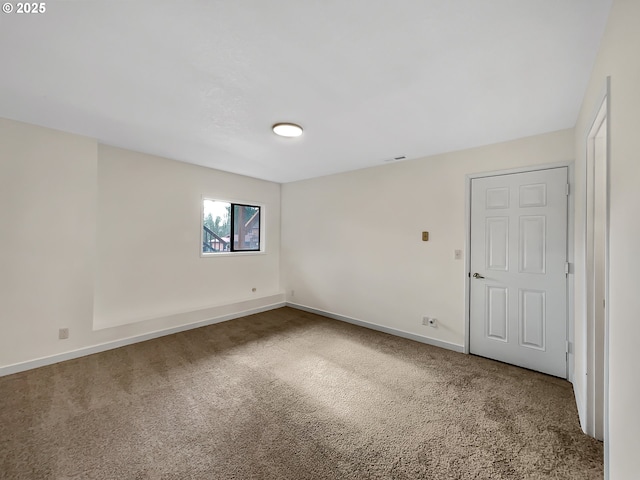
[[477, 275]]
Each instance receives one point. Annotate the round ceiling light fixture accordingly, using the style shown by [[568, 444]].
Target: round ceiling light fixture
[[287, 129]]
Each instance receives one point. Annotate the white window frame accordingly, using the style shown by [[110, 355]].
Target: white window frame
[[263, 236]]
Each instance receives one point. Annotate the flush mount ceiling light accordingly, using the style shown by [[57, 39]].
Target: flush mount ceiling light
[[287, 129]]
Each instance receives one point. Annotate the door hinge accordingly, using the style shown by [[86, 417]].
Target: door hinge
[[567, 189], [567, 268]]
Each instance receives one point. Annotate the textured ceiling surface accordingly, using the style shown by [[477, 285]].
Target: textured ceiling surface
[[203, 81]]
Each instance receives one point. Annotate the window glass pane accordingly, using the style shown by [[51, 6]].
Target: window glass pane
[[246, 227], [216, 227]]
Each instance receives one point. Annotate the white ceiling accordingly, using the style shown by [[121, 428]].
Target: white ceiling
[[203, 81]]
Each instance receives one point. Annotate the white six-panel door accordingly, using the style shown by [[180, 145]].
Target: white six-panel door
[[518, 304]]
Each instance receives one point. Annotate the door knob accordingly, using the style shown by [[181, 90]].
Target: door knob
[[477, 275]]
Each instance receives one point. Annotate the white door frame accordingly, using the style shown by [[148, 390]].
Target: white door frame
[[467, 249], [587, 323]]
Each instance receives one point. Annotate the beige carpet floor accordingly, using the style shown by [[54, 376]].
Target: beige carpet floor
[[289, 395]]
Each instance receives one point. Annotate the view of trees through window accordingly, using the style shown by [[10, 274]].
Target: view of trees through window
[[230, 227], [220, 225]]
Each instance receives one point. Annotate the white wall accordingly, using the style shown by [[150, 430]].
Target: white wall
[[619, 58], [83, 221], [148, 244], [351, 243], [47, 211]]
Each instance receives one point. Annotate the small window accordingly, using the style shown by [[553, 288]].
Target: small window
[[230, 227]]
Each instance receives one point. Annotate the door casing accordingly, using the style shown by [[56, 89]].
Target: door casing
[[570, 250], [589, 422]]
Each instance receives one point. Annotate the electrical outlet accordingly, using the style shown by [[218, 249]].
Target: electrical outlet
[[63, 333], [425, 320], [457, 254]]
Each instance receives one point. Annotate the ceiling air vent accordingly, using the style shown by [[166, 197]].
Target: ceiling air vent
[[395, 159]]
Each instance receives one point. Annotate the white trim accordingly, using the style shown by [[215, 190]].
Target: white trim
[[263, 229], [467, 263], [81, 352], [380, 328], [607, 260], [581, 407], [570, 247], [571, 215], [232, 254], [510, 171], [601, 112], [187, 317]]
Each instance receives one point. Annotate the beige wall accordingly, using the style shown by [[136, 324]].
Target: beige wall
[[148, 248], [619, 58], [47, 211], [81, 221], [351, 243]]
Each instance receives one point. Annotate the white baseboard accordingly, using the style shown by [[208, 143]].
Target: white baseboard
[[582, 409], [374, 326], [81, 352], [90, 350]]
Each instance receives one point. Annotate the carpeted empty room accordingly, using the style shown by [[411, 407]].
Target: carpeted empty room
[[287, 394]]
